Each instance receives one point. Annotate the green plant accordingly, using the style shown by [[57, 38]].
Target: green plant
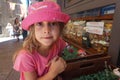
[[69, 52], [106, 74]]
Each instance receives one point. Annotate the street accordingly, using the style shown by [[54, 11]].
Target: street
[[7, 49]]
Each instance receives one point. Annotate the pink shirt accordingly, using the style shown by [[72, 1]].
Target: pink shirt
[[26, 61]]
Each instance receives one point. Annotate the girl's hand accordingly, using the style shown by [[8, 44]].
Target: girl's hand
[[57, 65]]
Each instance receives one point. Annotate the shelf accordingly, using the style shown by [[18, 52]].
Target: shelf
[[85, 67], [89, 51], [103, 17]]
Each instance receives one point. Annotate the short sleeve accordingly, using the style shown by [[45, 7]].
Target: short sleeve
[[24, 62]]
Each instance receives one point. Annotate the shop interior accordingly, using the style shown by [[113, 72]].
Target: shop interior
[[93, 38]]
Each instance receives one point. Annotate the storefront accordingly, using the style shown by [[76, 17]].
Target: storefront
[[94, 28]]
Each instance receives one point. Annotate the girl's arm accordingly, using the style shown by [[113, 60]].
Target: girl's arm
[[57, 65], [33, 76]]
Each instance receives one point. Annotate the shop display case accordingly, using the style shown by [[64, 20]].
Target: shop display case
[[100, 43]]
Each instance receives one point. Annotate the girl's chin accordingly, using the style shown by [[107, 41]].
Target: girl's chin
[[47, 44]]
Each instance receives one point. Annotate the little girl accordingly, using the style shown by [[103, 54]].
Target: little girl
[[39, 58]]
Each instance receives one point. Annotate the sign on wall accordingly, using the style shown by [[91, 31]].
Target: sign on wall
[[95, 27]]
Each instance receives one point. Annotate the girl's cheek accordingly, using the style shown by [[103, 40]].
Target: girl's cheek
[[38, 29]]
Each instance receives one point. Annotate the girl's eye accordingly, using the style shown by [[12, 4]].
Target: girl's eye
[[53, 24], [40, 24]]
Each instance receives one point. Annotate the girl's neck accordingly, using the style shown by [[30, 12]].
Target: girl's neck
[[44, 51]]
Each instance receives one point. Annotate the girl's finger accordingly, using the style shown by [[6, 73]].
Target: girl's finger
[[49, 63], [55, 58]]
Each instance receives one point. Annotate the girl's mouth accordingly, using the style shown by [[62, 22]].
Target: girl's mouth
[[48, 37]]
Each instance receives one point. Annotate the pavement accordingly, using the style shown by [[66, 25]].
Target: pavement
[[8, 46]]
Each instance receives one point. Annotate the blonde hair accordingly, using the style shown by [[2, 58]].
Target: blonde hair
[[30, 42]]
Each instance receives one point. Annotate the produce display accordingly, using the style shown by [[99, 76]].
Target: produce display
[[89, 34], [77, 32], [71, 52], [116, 71], [103, 75]]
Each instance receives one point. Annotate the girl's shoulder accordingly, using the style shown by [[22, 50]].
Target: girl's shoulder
[[24, 61], [24, 53], [61, 42]]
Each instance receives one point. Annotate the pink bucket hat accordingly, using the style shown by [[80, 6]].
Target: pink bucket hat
[[44, 11]]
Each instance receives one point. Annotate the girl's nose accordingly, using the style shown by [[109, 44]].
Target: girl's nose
[[47, 29]]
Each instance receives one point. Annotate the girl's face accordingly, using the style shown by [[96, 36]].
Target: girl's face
[[47, 33]]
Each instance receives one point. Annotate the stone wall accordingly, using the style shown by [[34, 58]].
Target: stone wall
[[8, 14]]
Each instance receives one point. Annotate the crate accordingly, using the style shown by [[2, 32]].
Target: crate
[[76, 68]]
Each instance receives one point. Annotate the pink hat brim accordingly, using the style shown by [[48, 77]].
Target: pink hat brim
[[40, 16]]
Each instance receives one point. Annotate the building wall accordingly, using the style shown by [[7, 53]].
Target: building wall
[[4, 14], [8, 13]]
